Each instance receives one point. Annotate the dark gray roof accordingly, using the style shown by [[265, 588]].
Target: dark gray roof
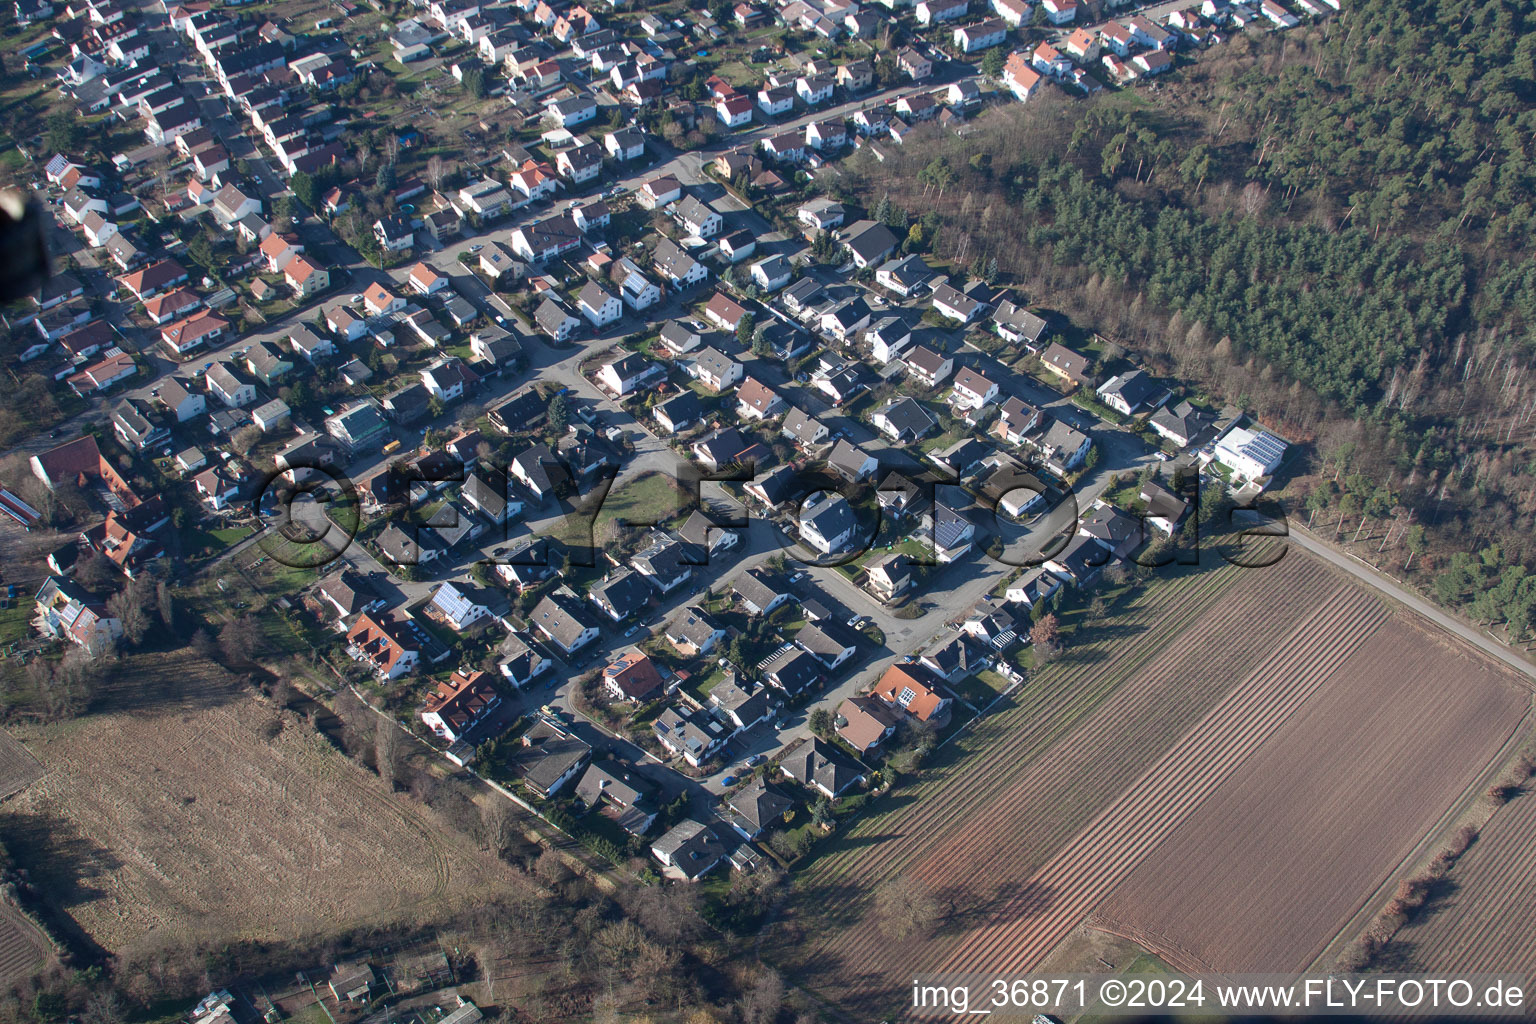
[[1135, 388], [562, 617], [869, 239], [548, 752], [757, 586], [758, 806], [908, 417], [1020, 321], [626, 592], [816, 762]]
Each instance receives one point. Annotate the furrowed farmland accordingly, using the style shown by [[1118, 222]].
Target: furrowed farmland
[[150, 824], [1352, 782], [1049, 805], [1480, 918]]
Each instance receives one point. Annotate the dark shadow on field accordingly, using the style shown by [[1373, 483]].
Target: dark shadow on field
[[833, 904], [188, 684], [59, 865], [1111, 630], [969, 907], [1398, 956], [1081, 656]]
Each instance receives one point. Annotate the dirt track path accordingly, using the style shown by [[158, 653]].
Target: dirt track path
[[1308, 541]]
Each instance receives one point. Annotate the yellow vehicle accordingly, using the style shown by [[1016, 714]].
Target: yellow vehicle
[[391, 447]]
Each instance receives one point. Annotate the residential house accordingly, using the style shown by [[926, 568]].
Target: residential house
[[915, 689], [804, 429], [934, 12], [457, 606], [1059, 12], [1165, 509], [659, 192], [541, 471], [393, 233], [1250, 454], [500, 264], [689, 849], [694, 632], [555, 320], [227, 386], [827, 642], [983, 35], [620, 794], [456, 706], [755, 808], [1014, 323], [621, 594], [680, 413], [904, 276], [928, 367], [637, 290], [1062, 447], [632, 676], [1116, 532], [1128, 393], [380, 301], [715, 370], [384, 645], [1020, 76], [359, 426], [666, 563], [135, 426], [913, 64], [626, 374], [865, 722], [759, 591], [309, 345], [972, 390], [192, 333], [821, 214], [868, 243], [673, 263], [697, 218], [757, 401], [904, 420], [1071, 366], [818, 765], [1180, 422], [561, 619], [349, 592], [598, 305], [827, 523], [182, 402], [550, 758]]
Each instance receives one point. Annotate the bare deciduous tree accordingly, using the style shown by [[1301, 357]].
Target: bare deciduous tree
[[496, 825], [905, 906], [386, 750]]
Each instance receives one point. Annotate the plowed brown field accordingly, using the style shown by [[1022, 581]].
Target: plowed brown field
[[1055, 802], [1485, 923], [1267, 871], [147, 825], [18, 768]]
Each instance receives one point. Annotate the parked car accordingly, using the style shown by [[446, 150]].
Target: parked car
[[755, 759], [729, 780]]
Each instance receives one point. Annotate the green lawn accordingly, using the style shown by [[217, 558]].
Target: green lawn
[[982, 688], [13, 620], [646, 497]]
